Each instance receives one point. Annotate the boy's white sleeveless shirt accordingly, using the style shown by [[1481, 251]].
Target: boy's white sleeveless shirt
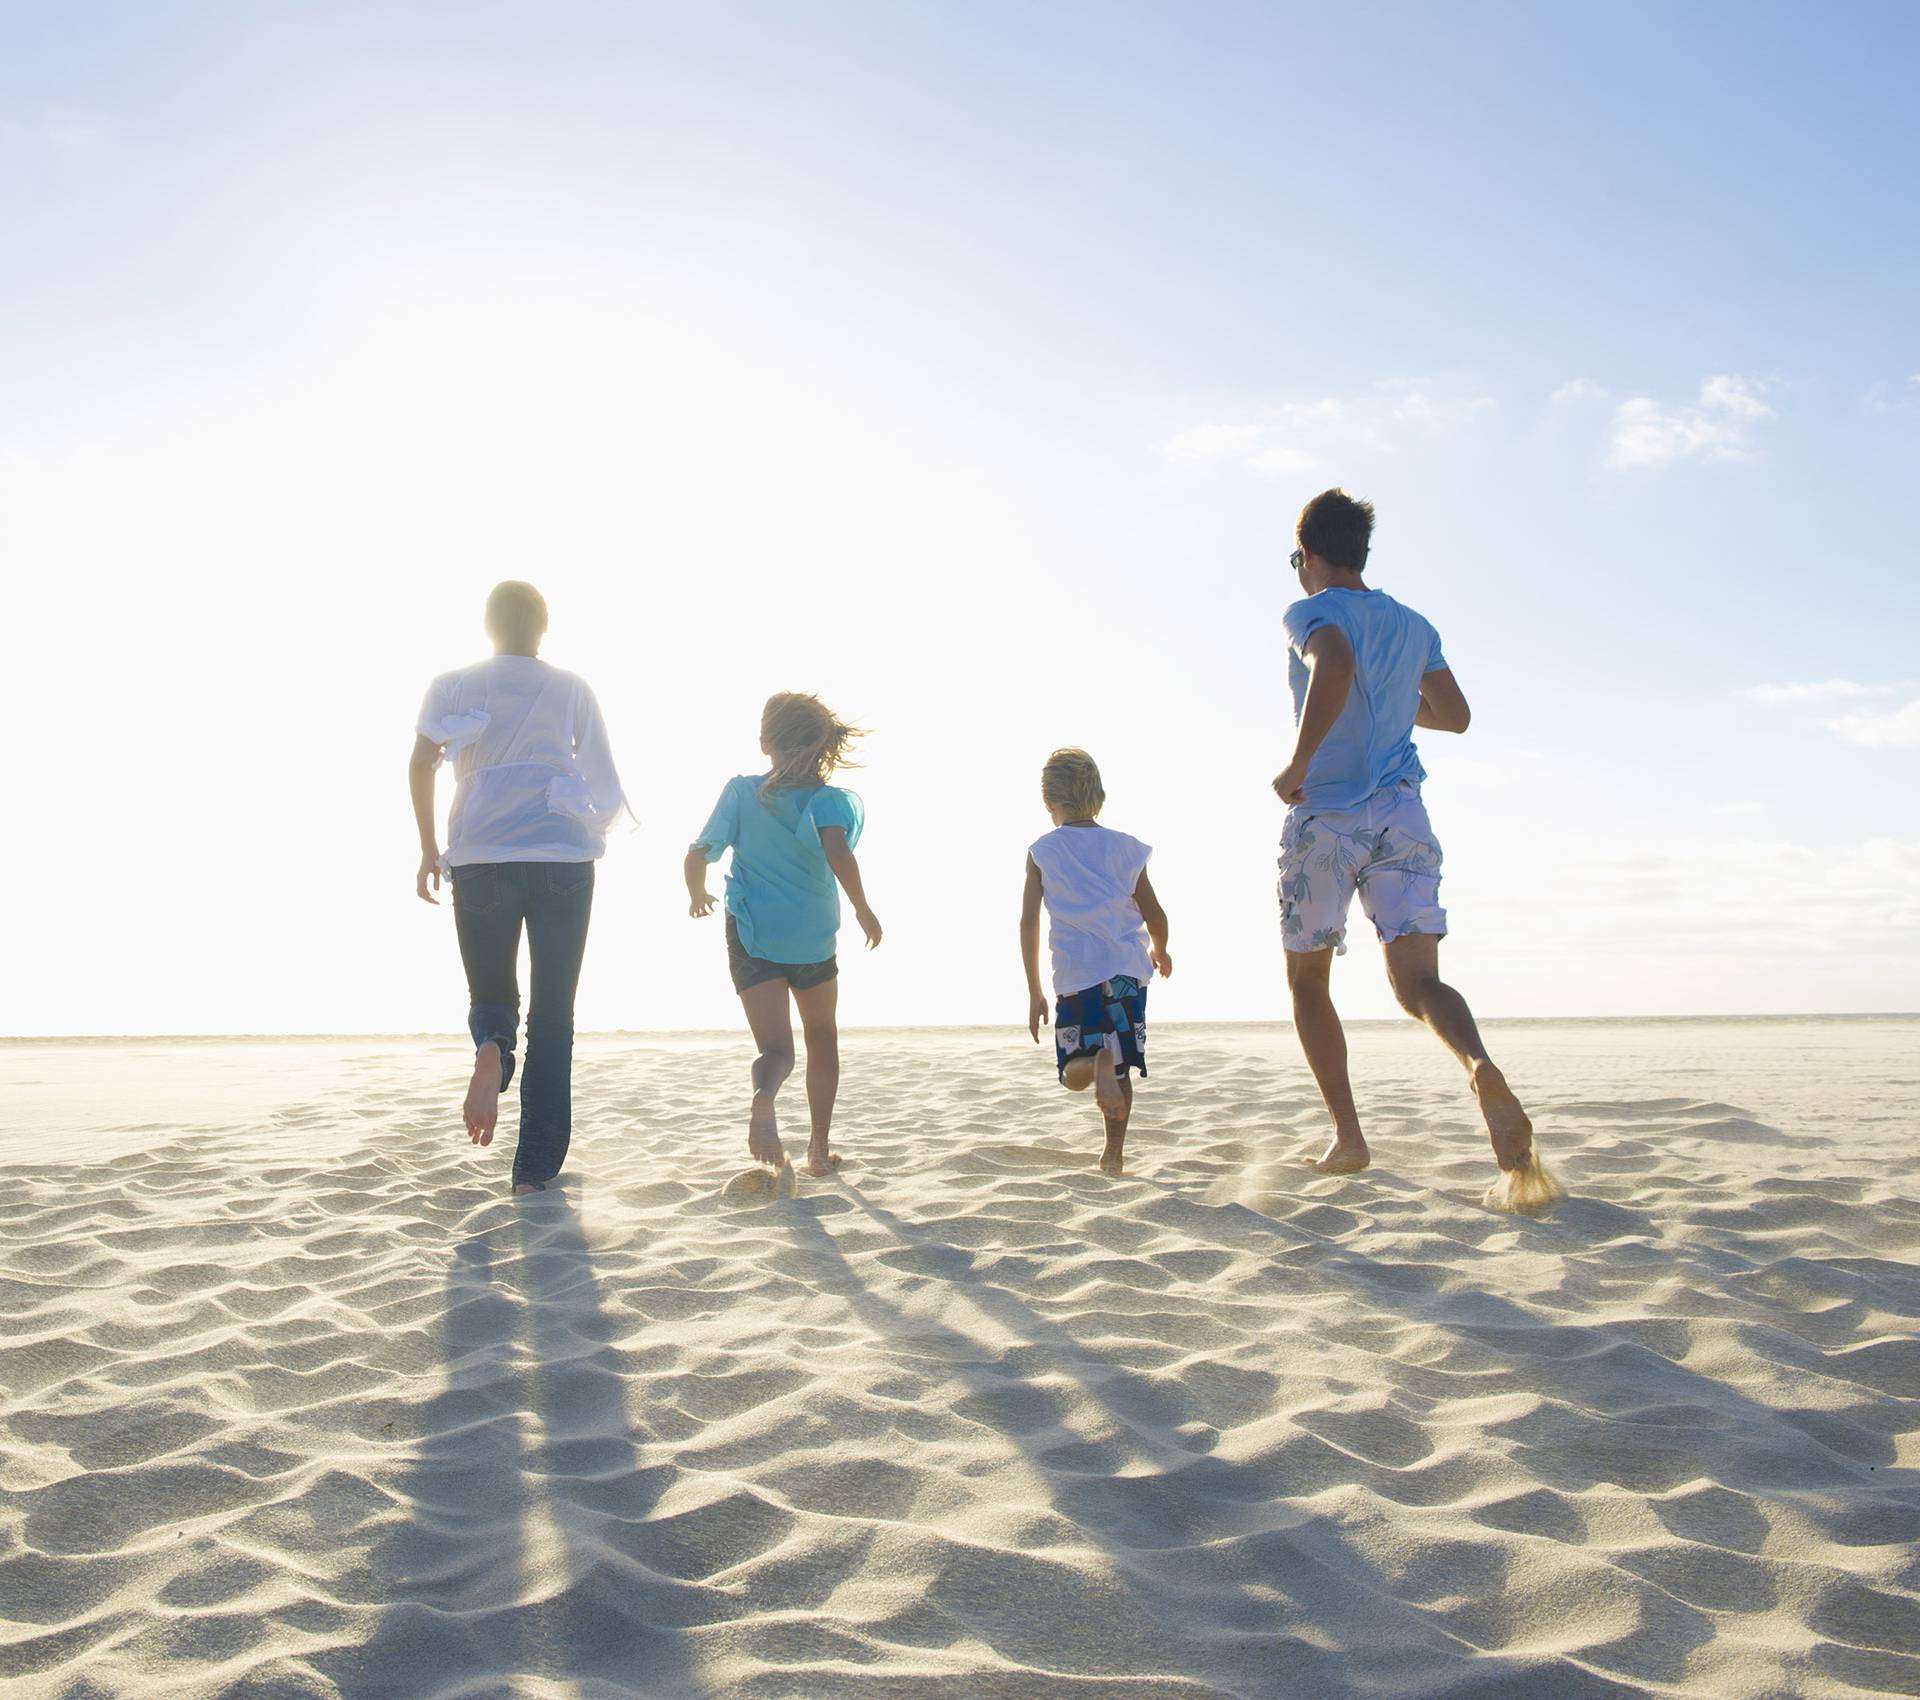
[[1087, 876]]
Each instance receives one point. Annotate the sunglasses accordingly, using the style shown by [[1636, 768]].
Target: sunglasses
[[1296, 559]]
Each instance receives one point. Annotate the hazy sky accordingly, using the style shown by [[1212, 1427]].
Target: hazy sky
[[967, 364]]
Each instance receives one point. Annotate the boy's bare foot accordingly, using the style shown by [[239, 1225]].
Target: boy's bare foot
[[1113, 1160], [1341, 1157], [525, 1188], [1078, 1075], [1508, 1128], [482, 1108], [821, 1161]]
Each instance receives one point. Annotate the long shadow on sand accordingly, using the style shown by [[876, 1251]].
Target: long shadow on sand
[[1203, 1545], [525, 1551]]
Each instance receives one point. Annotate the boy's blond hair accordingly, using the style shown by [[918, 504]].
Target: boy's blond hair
[[1071, 778]]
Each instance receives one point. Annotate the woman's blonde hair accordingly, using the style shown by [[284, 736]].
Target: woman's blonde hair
[[806, 739], [1071, 778]]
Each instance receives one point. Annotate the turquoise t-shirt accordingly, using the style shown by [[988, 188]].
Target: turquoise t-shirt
[[1370, 748], [780, 891]]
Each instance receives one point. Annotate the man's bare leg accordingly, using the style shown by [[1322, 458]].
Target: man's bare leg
[[772, 1026], [1413, 965], [1317, 1022], [482, 1108], [818, 1007]]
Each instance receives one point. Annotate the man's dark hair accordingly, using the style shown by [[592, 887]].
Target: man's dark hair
[[1337, 529]]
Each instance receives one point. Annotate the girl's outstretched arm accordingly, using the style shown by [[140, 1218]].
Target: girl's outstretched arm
[[700, 901], [420, 771], [1156, 920], [833, 840], [1037, 1007]]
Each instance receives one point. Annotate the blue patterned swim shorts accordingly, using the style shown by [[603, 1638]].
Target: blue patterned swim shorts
[[1082, 1021], [1384, 850]]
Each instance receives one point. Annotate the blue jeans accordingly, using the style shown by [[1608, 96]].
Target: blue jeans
[[554, 901]]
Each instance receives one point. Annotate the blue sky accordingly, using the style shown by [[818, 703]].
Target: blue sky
[[968, 364]]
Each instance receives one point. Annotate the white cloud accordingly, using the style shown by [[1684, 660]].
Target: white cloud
[[1717, 426], [1576, 390], [1896, 728], [1293, 438], [1827, 690]]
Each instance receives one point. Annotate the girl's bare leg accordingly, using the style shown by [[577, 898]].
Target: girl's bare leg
[[819, 1020], [772, 1026]]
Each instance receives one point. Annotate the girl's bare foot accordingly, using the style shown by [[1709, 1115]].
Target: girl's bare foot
[[1508, 1128], [821, 1161], [1342, 1156], [482, 1108]]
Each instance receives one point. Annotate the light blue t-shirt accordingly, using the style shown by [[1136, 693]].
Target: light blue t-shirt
[[780, 891], [1370, 748]]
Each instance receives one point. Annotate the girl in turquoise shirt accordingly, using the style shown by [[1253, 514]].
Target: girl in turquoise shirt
[[792, 836]]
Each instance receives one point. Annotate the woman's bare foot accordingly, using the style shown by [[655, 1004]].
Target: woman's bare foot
[[1508, 1128], [482, 1108], [763, 1133], [1342, 1156]]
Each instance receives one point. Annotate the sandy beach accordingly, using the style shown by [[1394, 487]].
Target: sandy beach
[[298, 1403]]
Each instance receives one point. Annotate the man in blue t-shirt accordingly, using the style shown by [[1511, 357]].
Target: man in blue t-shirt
[[1364, 671]]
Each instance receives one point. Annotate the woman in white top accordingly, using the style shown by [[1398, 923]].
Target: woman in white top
[[535, 791], [1108, 934]]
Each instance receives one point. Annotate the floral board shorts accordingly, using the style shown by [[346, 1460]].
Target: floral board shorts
[[1083, 1020], [1384, 850]]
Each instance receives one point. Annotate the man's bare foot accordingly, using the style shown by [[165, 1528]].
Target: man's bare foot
[[821, 1161], [482, 1108], [523, 1188], [1342, 1156], [1508, 1128], [1078, 1075]]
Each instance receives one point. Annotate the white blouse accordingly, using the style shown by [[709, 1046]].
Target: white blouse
[[534, 773], [1087, 876]]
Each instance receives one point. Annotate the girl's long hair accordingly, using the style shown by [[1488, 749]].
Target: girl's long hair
[[806, 739]]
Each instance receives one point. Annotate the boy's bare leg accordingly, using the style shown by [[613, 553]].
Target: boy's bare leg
[[1113, 1092], [1317, 1022], [819, 1021], [772, 1027], [482, 1108], [1413, 965]]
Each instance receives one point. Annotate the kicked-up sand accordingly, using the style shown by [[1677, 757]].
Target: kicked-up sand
[[298, 1403]]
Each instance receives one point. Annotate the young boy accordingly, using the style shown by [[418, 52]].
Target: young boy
[[1108, 934], [1364, 671]]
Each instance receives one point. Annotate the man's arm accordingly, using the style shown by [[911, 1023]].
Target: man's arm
[[1329, 659], [1442, 707], [833, 840], [1038, 1008], [420, 771]]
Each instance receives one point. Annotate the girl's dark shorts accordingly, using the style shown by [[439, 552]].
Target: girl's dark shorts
[[751, 971]]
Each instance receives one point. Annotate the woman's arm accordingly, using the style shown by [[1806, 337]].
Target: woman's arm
[[700, 901], [1156, 920], [1038, 1008], [420, 770], [833, 840]]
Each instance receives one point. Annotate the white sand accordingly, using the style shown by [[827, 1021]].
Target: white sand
[[297, 1403]]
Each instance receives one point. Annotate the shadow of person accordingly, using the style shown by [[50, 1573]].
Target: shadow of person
[[1214, 1581], [450, 1573], [612, 1598]]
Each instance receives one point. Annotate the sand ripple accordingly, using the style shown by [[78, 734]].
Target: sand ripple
[[309, 1409]]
